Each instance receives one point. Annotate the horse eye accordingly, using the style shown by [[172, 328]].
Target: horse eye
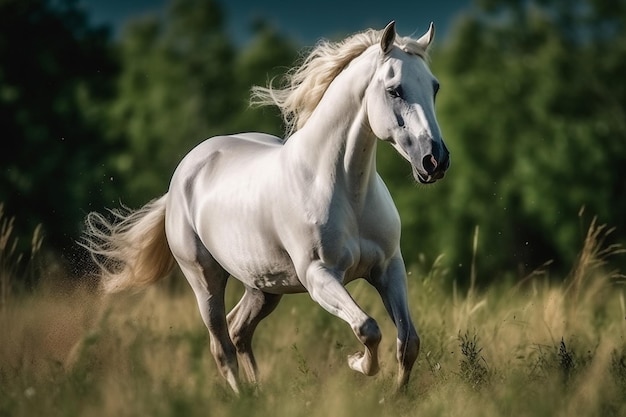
[[436, 88], [395, 92]]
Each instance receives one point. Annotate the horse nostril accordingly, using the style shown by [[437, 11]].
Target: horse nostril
[[429, 163]]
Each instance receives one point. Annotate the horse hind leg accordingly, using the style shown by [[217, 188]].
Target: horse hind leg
[[208, 281], [253, 307]]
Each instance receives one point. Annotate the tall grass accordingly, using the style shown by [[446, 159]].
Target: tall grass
[[530, 349], [12, 260]]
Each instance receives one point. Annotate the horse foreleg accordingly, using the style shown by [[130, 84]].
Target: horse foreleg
[[392, 287], [327, 290], [253, 307]]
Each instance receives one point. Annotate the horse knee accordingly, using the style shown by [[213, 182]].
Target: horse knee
[[225, 354], [368, 332], [241, 340]]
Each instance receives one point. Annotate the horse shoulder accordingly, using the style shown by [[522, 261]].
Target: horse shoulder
[[380, 221]]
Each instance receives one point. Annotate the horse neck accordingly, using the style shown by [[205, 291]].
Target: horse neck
[[336, 142]]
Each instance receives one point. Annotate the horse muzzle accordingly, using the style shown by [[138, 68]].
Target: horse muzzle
[[432, 167]]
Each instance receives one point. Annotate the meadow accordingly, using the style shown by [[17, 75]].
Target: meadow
[[533, 347]]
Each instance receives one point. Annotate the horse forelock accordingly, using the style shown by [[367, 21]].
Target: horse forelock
[[304, 85]]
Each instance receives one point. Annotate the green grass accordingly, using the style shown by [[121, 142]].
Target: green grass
[[530, 349]]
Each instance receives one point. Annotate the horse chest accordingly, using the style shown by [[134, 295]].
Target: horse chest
[[353, 242]]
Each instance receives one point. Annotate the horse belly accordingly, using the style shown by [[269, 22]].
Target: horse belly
[[248, 250], [263, 267], [277, 283]]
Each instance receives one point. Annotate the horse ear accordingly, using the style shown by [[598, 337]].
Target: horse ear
[[427, 37], [389, 35]]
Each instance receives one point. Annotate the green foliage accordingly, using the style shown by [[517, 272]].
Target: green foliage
[[183, 81], [472, 366], [91, 121], [55, 79], [174, 90], [268, 56], [532, 109]]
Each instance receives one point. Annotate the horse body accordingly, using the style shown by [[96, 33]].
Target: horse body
[[307, 214], [233, 219], [227, 216]]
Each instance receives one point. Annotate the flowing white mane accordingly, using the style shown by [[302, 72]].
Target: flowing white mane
[[304, 86]]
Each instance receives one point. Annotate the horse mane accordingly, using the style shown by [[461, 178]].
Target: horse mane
[[304, 85]]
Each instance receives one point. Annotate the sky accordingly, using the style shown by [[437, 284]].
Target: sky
[[304, 21]]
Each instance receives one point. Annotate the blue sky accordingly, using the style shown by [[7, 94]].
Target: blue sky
[[305, 21]]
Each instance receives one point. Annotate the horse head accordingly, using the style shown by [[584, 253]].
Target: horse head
[[401, 104]]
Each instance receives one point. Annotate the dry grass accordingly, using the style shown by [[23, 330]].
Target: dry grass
[[11, 259], [519, 350]]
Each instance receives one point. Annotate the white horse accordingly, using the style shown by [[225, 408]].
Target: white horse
[[308, 214]]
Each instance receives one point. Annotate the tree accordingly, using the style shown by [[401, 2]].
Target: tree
[[533, 109], [173, 91], [183, 81], [55, 73], [268, 56]]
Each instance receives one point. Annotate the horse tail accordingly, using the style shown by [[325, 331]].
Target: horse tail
[[131, 251]]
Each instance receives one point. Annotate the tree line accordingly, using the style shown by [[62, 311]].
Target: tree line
[[532, 107]]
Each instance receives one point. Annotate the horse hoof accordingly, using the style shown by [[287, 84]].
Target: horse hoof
[[357, 363]]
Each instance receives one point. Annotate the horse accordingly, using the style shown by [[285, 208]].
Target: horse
[[306, 214]]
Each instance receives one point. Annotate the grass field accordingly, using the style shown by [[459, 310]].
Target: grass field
[[525, 349]]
